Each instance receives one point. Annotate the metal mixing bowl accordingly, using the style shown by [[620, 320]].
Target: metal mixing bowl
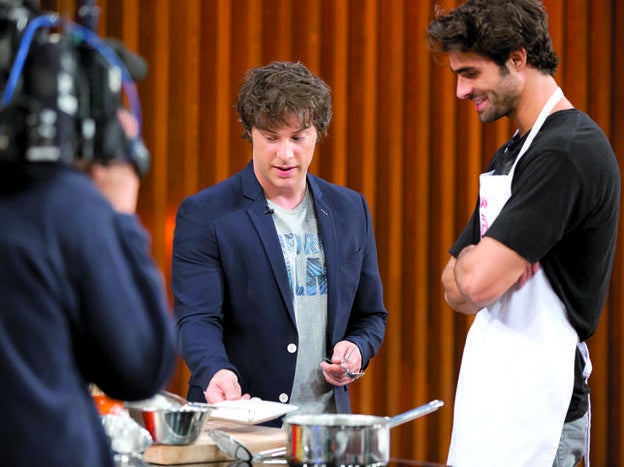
[[170, 426], [168, 418]]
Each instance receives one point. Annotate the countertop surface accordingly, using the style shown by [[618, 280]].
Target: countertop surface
[[204, 452]]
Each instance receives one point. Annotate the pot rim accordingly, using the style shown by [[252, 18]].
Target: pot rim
[[336, 420]]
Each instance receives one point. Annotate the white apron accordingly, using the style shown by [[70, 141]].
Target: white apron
[[517, 371]]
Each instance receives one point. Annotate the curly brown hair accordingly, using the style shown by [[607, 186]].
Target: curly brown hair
[[494, 29], [272, 94]]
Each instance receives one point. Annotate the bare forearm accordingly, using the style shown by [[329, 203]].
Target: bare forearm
[[452, 294], [484, 272]]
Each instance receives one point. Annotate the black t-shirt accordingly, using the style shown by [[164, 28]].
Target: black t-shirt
[[563, 212]]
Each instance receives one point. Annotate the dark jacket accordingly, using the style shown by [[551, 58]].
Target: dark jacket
[[81, 301], [232, 299]]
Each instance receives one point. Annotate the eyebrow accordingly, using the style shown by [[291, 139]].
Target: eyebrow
[[464, 69], [274, 132]]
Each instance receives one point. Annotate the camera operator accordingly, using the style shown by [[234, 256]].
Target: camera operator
[[81, 302]]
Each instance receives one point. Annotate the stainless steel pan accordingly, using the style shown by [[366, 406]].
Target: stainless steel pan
[[344, 439]]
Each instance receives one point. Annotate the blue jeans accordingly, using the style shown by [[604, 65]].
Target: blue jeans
[[574, 442]]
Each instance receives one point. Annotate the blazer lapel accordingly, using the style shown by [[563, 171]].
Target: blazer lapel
[[328, 234], [263, 223]]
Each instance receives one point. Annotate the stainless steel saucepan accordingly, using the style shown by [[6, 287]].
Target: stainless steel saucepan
[[344, 439], [328, 439]]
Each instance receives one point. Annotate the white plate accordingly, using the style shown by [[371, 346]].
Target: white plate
[[249, 411]]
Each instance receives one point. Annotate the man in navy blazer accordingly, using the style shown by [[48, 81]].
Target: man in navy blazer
[[275, 269]]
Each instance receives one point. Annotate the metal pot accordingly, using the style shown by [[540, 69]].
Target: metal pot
[[344, 439]]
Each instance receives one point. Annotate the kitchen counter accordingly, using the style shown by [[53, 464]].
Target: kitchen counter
[[393, 463], [205, 453]]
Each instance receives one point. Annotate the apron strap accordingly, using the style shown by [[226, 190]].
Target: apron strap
[[554, 98], [582, 347]]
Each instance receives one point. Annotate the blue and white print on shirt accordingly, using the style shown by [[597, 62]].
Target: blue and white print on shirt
[[305, 263]]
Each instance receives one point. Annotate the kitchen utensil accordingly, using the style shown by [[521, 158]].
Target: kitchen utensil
[[344, 439], [236, 450], [349, 373], [171, 426], [354, 374], [169, 418]]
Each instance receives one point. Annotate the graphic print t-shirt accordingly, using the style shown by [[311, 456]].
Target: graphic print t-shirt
[[305, 262]]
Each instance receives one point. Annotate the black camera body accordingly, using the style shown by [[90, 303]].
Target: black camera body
[[61, 93]]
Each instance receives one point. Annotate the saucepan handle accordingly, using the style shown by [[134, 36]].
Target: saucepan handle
[[415, 413]]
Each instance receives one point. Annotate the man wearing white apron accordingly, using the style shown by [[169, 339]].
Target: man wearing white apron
[[533, 264]]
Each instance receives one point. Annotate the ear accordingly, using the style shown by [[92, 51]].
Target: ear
[[518, 59]]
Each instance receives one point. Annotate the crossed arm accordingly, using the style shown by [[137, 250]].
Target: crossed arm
[[483, 272]]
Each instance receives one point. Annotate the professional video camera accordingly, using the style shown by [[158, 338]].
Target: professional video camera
[[62, 89]]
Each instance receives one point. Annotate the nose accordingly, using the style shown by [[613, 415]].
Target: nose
[[285, 151], [464, 89]]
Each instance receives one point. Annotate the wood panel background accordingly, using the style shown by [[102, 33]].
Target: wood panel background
[[398, 135]]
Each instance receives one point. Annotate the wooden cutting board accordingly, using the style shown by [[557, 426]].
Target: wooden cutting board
[[255, 438]]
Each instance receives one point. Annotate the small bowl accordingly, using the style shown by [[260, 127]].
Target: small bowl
[[170, 426], [168, 418]]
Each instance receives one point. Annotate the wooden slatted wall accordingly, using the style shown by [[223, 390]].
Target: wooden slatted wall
[[398, 134]]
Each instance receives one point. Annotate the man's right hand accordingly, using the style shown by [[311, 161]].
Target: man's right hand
[[224, 387], [119, 183], [529, 272]]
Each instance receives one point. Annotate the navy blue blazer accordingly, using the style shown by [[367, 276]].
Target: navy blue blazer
[[232, 300], [81, 301]]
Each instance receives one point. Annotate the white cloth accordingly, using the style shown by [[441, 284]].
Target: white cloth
[[517, 371]]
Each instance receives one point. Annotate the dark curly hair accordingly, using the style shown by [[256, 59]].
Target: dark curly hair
[[272, 94], [493, 29]]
